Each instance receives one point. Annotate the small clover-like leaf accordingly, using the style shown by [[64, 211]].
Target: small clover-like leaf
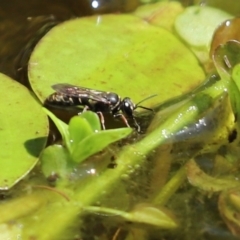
[[79, 128], [62, 128], [55, 160], [97, 141], [93, 120]]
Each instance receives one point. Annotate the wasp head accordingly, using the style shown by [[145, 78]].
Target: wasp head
[[127, 107]]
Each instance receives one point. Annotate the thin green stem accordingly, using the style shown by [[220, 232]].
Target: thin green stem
[[171, 187]]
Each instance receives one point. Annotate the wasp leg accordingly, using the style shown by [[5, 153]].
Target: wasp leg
[[137, 126], [123, 118], [84, 110], [101, 119]]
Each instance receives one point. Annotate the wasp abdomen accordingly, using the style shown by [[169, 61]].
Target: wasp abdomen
[[63, 100]]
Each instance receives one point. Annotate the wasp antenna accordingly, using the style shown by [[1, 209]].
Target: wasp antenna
[[149, 109], [137, 105]]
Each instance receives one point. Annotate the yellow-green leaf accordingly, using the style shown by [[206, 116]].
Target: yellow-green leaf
[[118, 53], [23, 131]]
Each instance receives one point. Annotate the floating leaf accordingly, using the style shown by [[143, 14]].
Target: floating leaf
[[196, 26], [23, 132], [162, 14], [118, 53]]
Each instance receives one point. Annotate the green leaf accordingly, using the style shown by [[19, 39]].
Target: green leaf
[[144, 213], [79, 128], [162, 14], [225, 57], [55, 161], [81, 139], [62, 128], [117, 53], [93, 120], [98, 141], [229, 207], [196, 26], [236, 74], [205, 182], [23, 131]]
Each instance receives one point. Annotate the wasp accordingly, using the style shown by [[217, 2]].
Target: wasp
[[97, 101]]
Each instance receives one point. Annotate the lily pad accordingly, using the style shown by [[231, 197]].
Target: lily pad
[[196, 26], [118, 53], [162, 14], [23, 131]]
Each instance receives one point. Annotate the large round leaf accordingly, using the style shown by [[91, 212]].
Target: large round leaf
[[23, 131], [119, 53]]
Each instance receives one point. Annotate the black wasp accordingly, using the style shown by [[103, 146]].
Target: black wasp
[[96, 101]]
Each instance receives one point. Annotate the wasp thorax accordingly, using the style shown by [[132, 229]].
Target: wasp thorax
[[113, 99]]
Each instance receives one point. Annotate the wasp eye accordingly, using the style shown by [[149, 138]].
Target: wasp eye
[[128, 107]]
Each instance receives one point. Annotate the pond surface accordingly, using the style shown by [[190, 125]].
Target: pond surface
[[22, 24]]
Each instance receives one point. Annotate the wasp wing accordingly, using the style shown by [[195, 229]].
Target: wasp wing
[[81, 92]]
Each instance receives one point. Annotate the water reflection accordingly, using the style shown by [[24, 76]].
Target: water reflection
[[20, 21], [95, 4]]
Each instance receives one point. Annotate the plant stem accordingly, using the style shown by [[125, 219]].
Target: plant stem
[[170, 188]]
